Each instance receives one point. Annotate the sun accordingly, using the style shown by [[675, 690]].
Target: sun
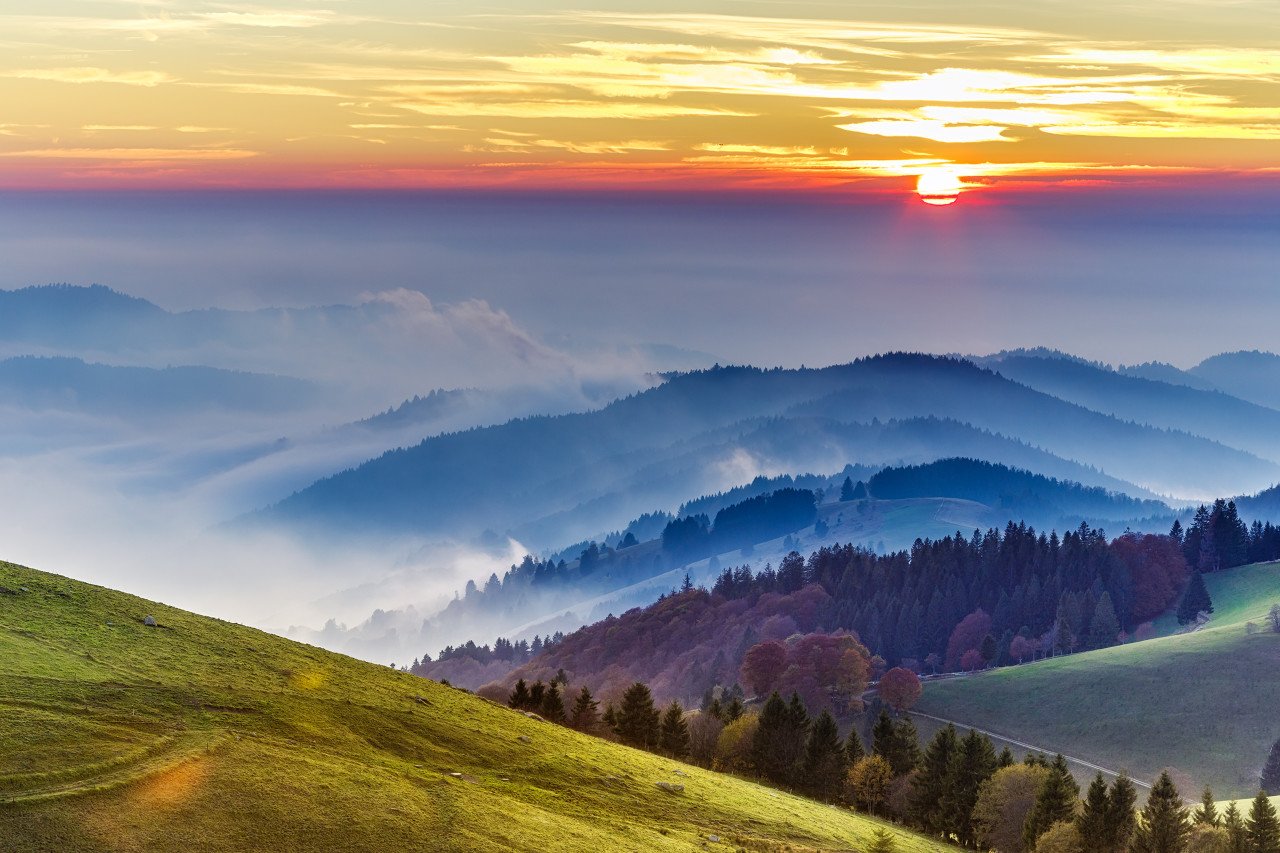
[[939, 186]]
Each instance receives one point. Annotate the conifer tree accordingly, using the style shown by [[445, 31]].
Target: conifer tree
[[1104, 627], [1164, 824], [552, 708], [1055, 803], [882, 842], [825, 764], [854, 751], [1237, 832], [1122, 818], [586, 712], [795, 735], [846, 490], [1195, 600], [906, 747], [637, 718], [1092, 821], [1208, 811], [767, 752], [519, 698], [1271, 771], [1006, 758], [733, 710], [1263, 827], [929, 790], [536, 694], [883, 740], [610, 718], [973, 763], [673, 736]]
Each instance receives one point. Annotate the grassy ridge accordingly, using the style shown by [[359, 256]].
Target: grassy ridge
[[204, 735], [1204, 703]]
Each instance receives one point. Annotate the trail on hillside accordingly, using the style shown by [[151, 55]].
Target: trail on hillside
[[1032, 747]]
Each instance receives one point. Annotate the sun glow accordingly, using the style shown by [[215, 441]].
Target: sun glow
[[939, 186]]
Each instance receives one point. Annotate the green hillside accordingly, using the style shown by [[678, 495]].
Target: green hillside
[[199, 734], [1204, 703]]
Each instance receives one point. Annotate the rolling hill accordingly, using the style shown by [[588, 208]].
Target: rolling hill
[[1202, 702], [201, 734]]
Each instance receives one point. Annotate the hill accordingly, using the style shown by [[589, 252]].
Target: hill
[[201, 734], [1202, 702], [1250, 375]]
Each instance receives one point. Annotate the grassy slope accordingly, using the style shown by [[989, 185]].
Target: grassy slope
[[206, 735], [1205, 703]]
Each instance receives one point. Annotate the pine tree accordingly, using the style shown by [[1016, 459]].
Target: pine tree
[[1208, 811], [1263, 827], [1104, 627], [974, 763], [1122, 818], [1092, 820], [552, 708], [846, 490], [1195, 600], [882, 842], [1164, 825], [1006, 758], [586, 712], [610, 718], [1237, 832], [673, 736], [1055, 803], [1271, 771], [519, 698], [825, 763], [733, 710], [536, 694], [883, 738], [767, 752], [930, 788], [637, 719], [854, 751], [796, 734]]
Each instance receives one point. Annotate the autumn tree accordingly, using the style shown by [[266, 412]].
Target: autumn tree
[[868, 782], [1004, 802], [762, 666], [735, 745], [1062, 837], [967, 636], [673, 732], [637, 719], [899, 688], [1021, 648], [1164, 825], [704, 733]]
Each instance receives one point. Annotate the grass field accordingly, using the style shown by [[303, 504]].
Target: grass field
[[1206, 703], [204, 735]]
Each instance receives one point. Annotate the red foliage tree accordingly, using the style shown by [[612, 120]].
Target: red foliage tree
[[971, 661], [899, 688], [1157, 569], [967, 636], [763, 666], [1021, 648]]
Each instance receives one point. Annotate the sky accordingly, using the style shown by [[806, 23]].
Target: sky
[[861, 97]]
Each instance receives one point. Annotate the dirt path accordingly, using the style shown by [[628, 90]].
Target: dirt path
[[1031, 747]]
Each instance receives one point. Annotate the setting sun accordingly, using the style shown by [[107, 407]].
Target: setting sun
[[939, 187]]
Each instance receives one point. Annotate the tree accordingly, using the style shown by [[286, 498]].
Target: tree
[[1262, 826], [897, 743], [854, 751], [734, 710], [846, 490], [704, 734], [1206, 838], [552, 708], [1092, 820], [768, 754], [734, 746], [930, 786], [1208, 811], [610, 718], [673, 733], [1004, 802], [1237, 832], [1271, 771], [868, 782], [899, 689], [1195, 600], [967, 636], [519, 698], [882, 842], [537, 693], [1056, 802], [1122, 817], [1164, 825], [974, 763], [1104, 627], [1062, 837], [637, 718], [825, 764], [762, 666], [971, 661], [1021, 648], [585, 716]]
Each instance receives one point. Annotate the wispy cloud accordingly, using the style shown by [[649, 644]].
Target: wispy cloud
[[88, 74]]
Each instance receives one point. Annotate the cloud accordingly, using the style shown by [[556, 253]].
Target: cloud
[[95, 75], [135, 154]]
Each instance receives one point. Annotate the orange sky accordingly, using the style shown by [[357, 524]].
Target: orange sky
[[389, 93]]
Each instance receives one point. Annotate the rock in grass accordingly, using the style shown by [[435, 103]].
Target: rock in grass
[[149, 621], [525, 739], [671, 787]]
